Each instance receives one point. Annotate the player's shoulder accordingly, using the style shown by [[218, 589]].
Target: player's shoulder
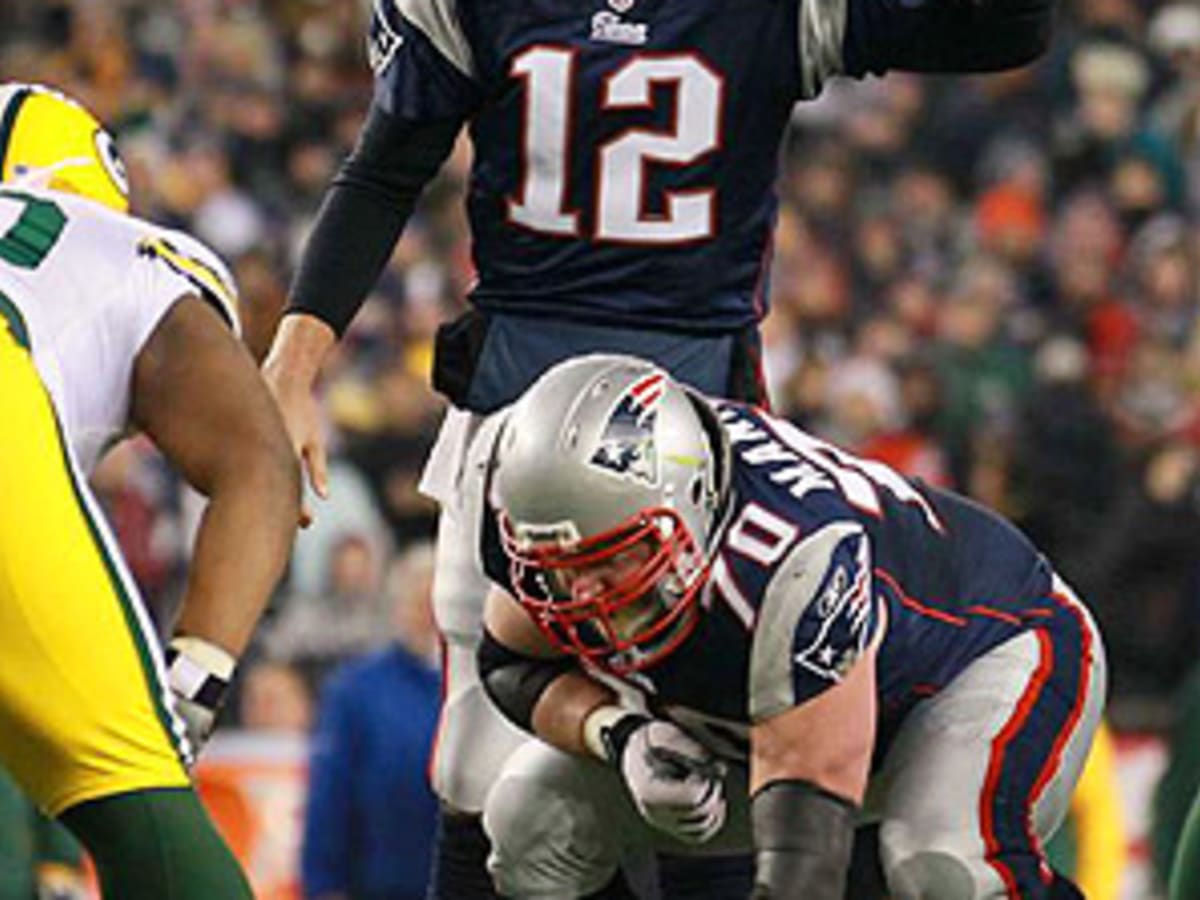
[[789, 470], [105, 238], [440, 22], [192, 260], [815, 618], [53, 212], [67, 232]]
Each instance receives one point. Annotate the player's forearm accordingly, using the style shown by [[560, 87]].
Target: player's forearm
[[364, 212], [351, 242], [543, 695], [241, 548], [945, 35], [1185, 872], [301, 345], [564, 708]]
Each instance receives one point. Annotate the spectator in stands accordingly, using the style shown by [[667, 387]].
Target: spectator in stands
[[1063, 504], [1111, 79], [274, 698], [985, 377], [370, 820], [345, 619], [1174, 33], [1144, 574], [867, 416]]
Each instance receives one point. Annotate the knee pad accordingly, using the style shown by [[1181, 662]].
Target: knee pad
[[931, 875], [545, 845], [926, 863]]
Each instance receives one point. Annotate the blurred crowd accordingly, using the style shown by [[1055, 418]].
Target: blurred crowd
[[990, 283]]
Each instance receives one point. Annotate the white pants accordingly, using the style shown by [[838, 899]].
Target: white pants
[[473, 740], [559, 825]]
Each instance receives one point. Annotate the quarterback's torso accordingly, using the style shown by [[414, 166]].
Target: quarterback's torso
[[625, 149], [90, 285], [821, 550]]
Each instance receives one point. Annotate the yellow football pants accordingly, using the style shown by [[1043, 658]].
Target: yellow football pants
[[83, 708]]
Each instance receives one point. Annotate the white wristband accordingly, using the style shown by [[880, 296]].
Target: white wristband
[[597, 720], [196, 660]]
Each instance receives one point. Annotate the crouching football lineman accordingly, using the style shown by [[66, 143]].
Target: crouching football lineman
[[745, 637]]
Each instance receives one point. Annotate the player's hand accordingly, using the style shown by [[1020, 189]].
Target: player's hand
[[676, 783], [198, 675], [302, 418], [292, 386]]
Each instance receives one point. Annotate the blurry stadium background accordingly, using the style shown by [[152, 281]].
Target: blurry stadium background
[[990, 283]]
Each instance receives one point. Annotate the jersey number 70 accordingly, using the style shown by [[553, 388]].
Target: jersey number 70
[[620, 214]]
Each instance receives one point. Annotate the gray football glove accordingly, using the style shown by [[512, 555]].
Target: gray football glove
[[676, 783]]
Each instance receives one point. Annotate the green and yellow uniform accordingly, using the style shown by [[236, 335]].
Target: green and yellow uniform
[[83, 708]]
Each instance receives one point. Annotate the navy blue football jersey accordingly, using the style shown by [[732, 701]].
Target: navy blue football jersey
[[822, 547], [625, 150]]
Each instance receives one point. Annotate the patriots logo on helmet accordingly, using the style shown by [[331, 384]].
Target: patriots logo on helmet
[[626, 447]]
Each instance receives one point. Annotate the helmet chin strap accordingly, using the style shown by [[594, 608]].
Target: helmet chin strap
[[42, 176]]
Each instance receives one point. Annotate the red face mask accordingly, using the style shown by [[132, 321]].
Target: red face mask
[[621, 600]]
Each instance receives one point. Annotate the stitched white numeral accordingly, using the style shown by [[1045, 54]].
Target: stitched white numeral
[[548, 74], [620, 193], [621, 214]]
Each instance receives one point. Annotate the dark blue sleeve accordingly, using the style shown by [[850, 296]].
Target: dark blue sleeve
[[328, 819], [414, 81], [364, 212], [944, 35]]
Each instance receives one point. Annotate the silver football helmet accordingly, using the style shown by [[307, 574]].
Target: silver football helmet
[[609, 479]]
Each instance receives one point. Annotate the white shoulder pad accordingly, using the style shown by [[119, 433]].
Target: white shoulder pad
[[202, 267], [822, 28], [438, 21], [790, 593]]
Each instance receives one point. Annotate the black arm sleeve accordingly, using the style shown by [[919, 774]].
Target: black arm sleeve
[[944, 35], [364, 211], [515, 682], [803, 836]]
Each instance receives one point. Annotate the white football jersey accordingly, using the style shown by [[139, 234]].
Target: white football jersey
[[90, 285]]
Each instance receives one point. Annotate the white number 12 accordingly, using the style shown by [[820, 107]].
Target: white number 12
[[620, 181]]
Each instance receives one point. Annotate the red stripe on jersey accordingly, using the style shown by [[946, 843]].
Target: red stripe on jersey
[[994, 614], [916, 605]]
